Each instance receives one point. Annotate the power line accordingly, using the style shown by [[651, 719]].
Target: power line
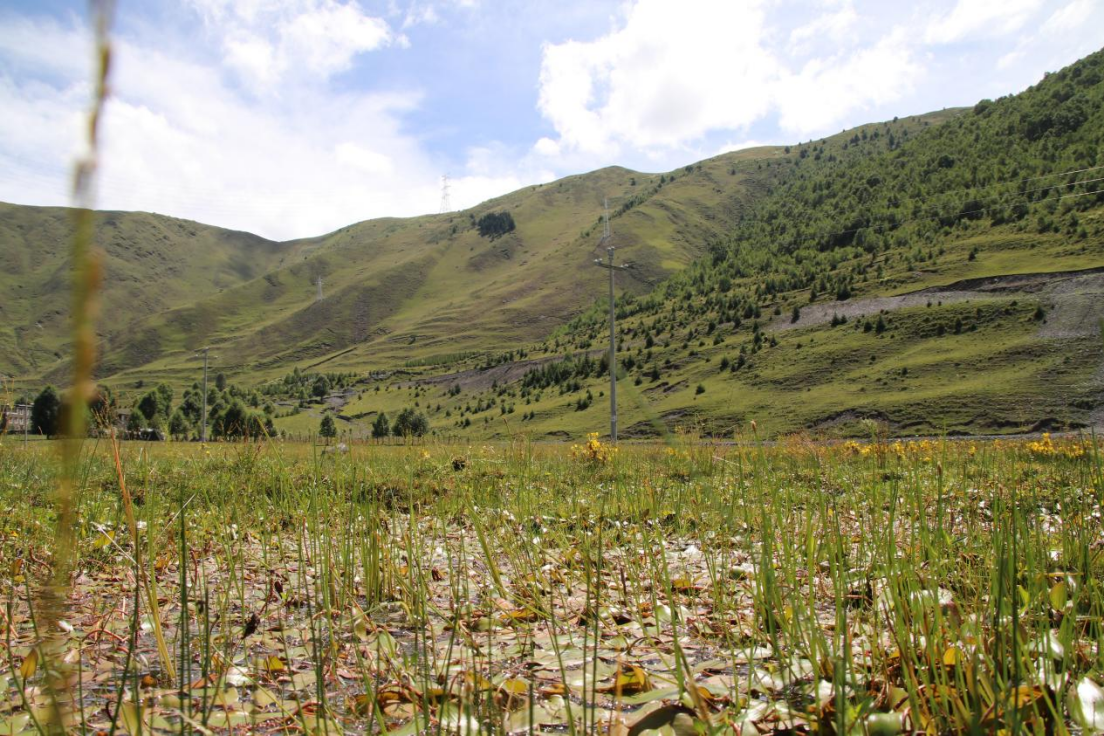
[[1063, 173]]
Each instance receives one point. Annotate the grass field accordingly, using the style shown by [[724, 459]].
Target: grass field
[[863, 587]]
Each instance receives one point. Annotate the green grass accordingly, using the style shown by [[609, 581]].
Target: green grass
[[1000, 375], [873, 587]]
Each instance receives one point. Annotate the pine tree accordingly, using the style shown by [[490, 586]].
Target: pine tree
[[381, 427]]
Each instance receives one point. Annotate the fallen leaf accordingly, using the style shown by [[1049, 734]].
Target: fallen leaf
[[29, 666], [629, 680], [274, 665]]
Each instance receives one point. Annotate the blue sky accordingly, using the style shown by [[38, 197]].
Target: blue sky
[[292, 118]]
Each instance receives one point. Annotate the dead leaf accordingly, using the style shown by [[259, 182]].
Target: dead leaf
[[628, 680], [29, 666]]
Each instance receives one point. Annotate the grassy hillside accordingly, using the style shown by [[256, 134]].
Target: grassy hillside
[[399, 290], [934, 278], [934, 273], [857, 221], [152, 263], [395, 289]]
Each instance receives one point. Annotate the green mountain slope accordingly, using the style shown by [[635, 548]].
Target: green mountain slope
[[152, 263], [395, 289], [936, 273], [949, 278], [1010, 187]]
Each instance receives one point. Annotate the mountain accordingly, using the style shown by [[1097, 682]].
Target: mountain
[[933, 273], [152, 264], [947, 280], [394, 289]]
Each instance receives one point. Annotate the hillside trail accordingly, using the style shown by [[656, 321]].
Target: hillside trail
[[1073, 302]]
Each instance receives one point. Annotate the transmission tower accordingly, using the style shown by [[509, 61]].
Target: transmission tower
[[446, 205]]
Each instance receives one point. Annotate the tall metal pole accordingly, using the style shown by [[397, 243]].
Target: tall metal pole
[[203, 428], [613, 346], [608, 264]]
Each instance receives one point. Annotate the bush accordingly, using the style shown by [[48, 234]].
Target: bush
[[495, 224], [410, 423]]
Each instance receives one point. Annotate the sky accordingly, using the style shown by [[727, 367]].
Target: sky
[[293, 118]]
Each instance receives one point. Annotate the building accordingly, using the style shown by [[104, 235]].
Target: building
[[15, 419]]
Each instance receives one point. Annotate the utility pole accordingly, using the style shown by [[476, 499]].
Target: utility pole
[[203, 427], [607, 239]]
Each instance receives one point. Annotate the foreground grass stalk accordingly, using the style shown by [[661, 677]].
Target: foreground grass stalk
[[53, 596], [143, 578]]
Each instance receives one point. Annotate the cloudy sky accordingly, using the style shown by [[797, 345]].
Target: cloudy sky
[[291, 118]]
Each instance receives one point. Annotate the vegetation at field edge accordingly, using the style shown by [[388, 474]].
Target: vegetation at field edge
[[867, 587]]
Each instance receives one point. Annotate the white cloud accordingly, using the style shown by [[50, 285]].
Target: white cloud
[[834, 25], [363, 158], [1069, 17], [1008, 60], [731, 146], [980, 18], [202, 149], [253, 56], [267, 42], [672, 74], [493, 169], [546, 147], [420, 15], [826, 91], [669, 75], [23, 51]]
